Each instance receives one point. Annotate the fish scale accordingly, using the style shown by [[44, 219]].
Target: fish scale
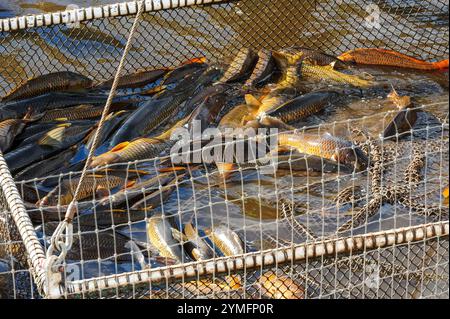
[[303, 106], [63, 194], [84, 111], [58, 81]]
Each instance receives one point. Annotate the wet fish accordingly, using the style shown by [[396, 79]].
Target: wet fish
[[305, 54], [200, 250], [241, 66], [81, 112], [58, 81], [375, 56], [50, 144], [207, 111], [159, 233], [326, 146], [155, 113], [264, 68], [156, 198], [238, 116], [50, 166], [9, 129], [184, 71], [134, 192], [135, 80], [93, 244], [50, 101], [276, 286], [141, 148], [225, 240], [326, 73], [404, 120], [93, 185], [303, 106]]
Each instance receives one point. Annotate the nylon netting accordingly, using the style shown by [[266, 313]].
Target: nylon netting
[[270, 211]]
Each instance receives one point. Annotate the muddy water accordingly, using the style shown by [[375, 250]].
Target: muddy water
[[248, 202]]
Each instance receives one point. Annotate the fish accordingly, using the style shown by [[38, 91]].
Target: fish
[[160, 235], [376, 56], [300, 162], [315, 57], [47, 167], [404, 120], [155, 113], [80, 112], [50, 101], [52, 82], [139, 149], [50, 144], [133, 192], [264, 69], [207, 111], [94, 185], [275, 286], [238, 116], [135, 80], [326, 73], [92, 244], [326, 146], [225, 240], [184, 71], [303, 106], [199, 249], [241, 66], [9, 129], [156, 198]]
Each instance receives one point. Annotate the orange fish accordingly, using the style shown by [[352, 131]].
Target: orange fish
[[374, 56]]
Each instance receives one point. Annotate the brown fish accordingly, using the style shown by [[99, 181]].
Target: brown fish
[[404, 120], [9, 129], [81, 112], [264, 68], [93, 185], [276, 286], [241, 66], [52, 82], [326, 146], [375, 56], [303, 106], [135, 80]]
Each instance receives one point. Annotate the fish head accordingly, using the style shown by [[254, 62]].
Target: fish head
[[347, 57], [104, 159], [352, 156]]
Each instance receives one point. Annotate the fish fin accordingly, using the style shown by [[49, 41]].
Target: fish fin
[[171, 169], [130, 184], [333, 65], [102, 191], [195, 60], [157, 89], [441, 64], [252, 100], [179, 236], [119, 146], [61, 119], [64, 125]]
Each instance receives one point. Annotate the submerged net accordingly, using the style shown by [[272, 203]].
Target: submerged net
[[275, 211]]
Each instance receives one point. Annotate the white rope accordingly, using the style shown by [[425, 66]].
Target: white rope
[[62, 238]]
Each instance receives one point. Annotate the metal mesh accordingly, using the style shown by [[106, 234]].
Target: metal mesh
[[267, 211]]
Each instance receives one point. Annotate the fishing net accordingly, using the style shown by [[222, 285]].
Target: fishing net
[[307, 233]]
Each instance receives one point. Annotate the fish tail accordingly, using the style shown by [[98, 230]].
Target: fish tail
[[441, 64]]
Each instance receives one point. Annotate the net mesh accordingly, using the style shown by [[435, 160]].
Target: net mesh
[[267, 210]]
